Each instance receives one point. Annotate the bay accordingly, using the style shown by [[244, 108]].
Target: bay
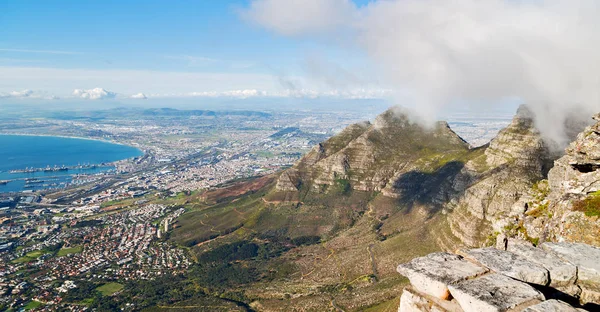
[[18, 152]]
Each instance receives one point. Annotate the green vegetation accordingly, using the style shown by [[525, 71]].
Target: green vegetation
[[431, 161], [342, 186], [518, 229], [33, 305], [67, 251], [590, 205], [30, 256], [109, 289], [231, 252], [265, 154], [541, 189], [388, 306], [539, 211]]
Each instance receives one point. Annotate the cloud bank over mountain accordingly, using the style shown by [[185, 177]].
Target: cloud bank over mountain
[[439, 52]]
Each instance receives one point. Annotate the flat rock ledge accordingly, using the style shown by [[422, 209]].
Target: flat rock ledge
[[552, 277]]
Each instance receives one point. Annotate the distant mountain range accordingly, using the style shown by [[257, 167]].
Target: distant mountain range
[[152, 112]]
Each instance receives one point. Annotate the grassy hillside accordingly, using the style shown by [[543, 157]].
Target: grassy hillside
[[331, 247]]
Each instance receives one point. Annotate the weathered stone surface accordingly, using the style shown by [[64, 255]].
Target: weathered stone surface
[[494, 293], [415, 301], [571, 290], [509, 264], [585, 257], [589, 295], [433, 273], [551, 306], [562, 273]]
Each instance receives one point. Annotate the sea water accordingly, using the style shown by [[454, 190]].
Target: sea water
[[18, 152]]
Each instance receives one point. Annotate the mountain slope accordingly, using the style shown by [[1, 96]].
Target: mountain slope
[[329, 231]]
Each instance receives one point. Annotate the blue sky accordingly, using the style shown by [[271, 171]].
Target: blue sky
[[135, 34], [85, 43]]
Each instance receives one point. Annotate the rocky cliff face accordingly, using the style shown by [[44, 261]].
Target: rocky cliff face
[[382, 157], [491, 185], [566, 206]]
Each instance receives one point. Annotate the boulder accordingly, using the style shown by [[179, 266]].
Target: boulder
[[585, 257], [433, 273], [509, 264], [493, 293], [551, 306], [561, 272]]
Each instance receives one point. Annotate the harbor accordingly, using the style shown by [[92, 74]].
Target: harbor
[[48, 178], [55, 169]]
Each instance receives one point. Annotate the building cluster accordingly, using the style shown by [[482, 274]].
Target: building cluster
[[108, 247]]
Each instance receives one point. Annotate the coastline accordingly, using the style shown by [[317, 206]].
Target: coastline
[[16, 180], [73, 137]]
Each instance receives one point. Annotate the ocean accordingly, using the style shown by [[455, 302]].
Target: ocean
[[18, 152]]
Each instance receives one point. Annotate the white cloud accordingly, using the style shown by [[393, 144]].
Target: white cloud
[[139, 96], [24, 93], [94, 94], [27, 94], [61, 81], [440, 52]]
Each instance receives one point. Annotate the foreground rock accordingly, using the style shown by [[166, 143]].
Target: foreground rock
[[561, 272], [551, 306], [489, 279], [585, 257], [587, 260], [433, 273], [493, 292], [510, 264]]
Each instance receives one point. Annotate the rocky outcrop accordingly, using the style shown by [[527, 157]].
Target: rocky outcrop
[[575, 179], [586, 258], [561, 273], [509, 264], [498, 280], [286, 181], [393, 155], [493, 182], [566, 206], [433, 273], [494, 292]]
